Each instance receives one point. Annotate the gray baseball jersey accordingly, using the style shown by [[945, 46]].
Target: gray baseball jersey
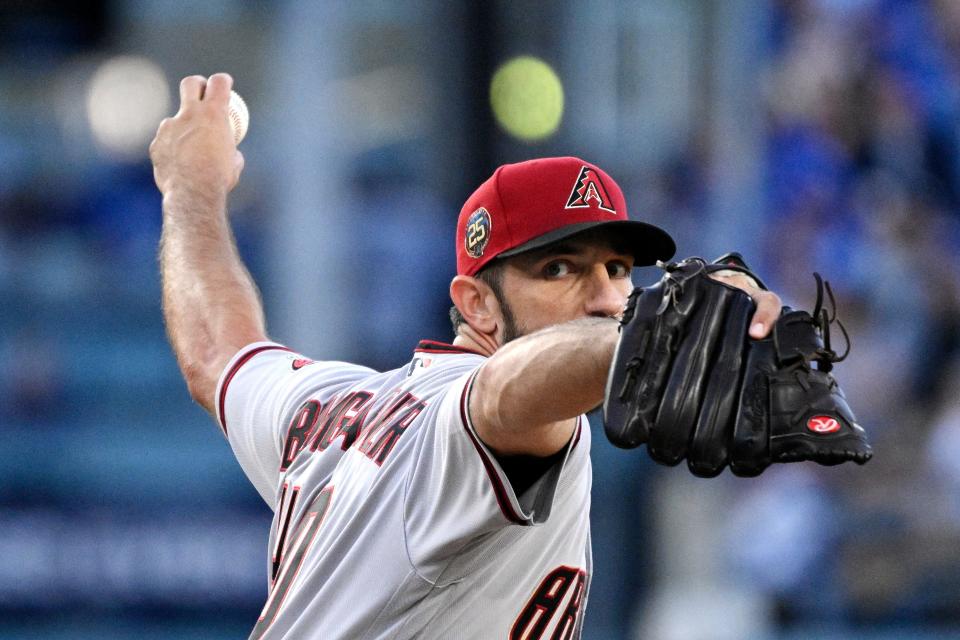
[[392, 519]]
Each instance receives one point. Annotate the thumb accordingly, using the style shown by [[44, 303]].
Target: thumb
[[238, 163]]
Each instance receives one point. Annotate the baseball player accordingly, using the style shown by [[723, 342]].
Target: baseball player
[[449, 497]]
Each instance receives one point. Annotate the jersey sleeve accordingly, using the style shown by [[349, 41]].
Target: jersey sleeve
[[457, 485], [258, 394]]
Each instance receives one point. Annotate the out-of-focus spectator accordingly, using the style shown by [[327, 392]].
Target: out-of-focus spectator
[[862, 184], [32, 382]]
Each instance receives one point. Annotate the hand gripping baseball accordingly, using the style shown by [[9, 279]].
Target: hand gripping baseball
[[688, 381], [195, 149]]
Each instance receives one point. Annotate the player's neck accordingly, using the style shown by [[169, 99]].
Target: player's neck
[[468, 338]]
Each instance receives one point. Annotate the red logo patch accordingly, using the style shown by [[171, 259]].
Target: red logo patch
[[588, 191], [299, 363], [823, 424]]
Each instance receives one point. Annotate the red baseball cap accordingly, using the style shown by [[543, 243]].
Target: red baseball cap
[[530, 204]]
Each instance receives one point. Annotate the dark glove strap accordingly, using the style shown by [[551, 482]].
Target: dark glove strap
[[687, 383], [709, 445]]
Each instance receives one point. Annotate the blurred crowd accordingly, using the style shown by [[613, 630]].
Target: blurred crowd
[[862, 184]]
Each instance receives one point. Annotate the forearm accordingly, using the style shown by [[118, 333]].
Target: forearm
[[210, 303], [530, 390]]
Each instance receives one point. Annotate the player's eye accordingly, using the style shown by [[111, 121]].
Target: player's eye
[[618, 269], [557, 269]]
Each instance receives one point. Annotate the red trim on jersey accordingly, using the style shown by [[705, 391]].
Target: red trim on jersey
[[576, 437], [300, 546], [221, 401], [499, 490], [432, 346]]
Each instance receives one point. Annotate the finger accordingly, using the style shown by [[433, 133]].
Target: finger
[[768, 310], [218, 89], [191, 90], [736, 279], [161, 128]]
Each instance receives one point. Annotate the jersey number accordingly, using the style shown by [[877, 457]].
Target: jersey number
[[533, 621], [288, 556]]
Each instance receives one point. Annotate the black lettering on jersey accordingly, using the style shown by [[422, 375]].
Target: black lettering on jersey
[[543, 605], [323, 421], [287, 566], [287, 505], [348, 417], [298, 432], [344, 419], [394, 401], [568, 622], [390, 426]]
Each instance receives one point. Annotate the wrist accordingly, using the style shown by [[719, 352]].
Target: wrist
[[596, 339], [181, 195]]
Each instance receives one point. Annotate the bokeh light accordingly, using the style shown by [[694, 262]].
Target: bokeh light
[[527, 98], [127, 98]]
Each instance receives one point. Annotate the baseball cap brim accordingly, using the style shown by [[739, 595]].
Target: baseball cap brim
[[646, 242]]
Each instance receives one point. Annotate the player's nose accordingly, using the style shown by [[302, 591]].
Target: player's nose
[[607, 295]]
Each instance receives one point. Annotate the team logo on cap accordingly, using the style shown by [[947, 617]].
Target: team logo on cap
[[478, 232], [588, 191]]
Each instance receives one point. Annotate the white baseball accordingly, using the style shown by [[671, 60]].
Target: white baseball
[[239, 116]]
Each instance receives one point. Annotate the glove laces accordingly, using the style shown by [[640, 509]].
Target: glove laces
[[822, 319]]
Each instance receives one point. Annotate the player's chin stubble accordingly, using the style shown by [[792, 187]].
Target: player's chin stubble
[[511, 331]]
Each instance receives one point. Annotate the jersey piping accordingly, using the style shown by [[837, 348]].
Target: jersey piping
[[503, 499], [222, 393], [499, 489], [432, 346]]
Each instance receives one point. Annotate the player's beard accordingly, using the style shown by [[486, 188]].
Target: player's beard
[[511, 330]]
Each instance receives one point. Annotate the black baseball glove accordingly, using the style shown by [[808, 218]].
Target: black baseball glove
[[688, 381]]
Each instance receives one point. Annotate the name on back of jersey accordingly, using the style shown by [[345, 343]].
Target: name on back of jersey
[[350, 418]]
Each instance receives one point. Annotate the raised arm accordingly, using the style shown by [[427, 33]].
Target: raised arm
[[527, 396], [210, 303]]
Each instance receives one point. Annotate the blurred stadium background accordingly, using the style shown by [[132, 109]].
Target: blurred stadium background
[[808, 134]]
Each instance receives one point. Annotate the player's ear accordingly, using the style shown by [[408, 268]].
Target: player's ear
[[477, 303]]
